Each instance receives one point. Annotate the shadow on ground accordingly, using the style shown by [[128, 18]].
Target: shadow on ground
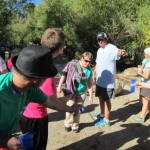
[[123, 92], [90, 108], [123, 113], [120, 115], [57, 116], [108, 141]]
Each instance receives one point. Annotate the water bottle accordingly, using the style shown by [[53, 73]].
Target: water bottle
[[82, 109], [132, 89]]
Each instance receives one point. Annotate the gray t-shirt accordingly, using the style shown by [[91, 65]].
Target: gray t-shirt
[[106, 66]]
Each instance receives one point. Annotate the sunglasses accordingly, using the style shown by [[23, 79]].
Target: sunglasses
[[87, 61], [101, 41]]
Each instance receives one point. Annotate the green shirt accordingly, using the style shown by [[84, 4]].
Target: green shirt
[[11, 105], [86, 74]]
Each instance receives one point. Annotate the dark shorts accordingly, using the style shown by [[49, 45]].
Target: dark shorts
[[40, 127], [104, 93], [145, 93]]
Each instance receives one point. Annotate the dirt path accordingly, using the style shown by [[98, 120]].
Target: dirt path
[[123, 134]]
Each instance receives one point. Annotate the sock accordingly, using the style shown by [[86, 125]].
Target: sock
[[107, 120], [102, 115]]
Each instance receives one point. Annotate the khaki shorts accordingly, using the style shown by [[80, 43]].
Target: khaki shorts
[[145, 92]]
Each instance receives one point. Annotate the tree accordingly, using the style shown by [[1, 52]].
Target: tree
[[126, 23], [9, 11], [18, 27]]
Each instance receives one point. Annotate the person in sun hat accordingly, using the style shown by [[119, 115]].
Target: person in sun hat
[[145, 93], [77, 76], [19, 87], [35, 116], [105, 72]]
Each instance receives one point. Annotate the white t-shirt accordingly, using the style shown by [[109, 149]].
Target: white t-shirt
[[2, 64], [106, 66]]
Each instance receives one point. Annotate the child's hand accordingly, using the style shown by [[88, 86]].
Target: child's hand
[[59, 90], [139, 84]]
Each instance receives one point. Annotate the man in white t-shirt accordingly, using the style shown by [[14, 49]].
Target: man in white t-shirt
[[3, 67], [105, 71]]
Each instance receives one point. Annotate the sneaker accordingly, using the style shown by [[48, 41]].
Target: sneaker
[[75, 130], [68, 129], [138, 119], [96, 117], [102, 123]]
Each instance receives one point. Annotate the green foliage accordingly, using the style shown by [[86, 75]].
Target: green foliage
[[142, 24], [13, 21], [126, 22]]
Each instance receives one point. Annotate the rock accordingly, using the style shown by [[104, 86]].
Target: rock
[[131, 71], [118, 86]]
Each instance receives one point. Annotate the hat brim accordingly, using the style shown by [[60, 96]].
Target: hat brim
[[52, 72], [101, 39]]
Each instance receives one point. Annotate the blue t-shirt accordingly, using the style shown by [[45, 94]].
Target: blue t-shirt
[[106, 66], [144, 61], [81, 86], [12, 105]]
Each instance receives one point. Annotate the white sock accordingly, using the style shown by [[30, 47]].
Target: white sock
[[107, 120]]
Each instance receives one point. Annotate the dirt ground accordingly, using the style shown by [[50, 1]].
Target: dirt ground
[[123, 134]]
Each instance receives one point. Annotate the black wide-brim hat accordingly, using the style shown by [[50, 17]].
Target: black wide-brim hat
[[35, 62]]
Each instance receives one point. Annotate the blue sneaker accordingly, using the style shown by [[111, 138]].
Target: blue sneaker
[[96, 117], [102, 123]]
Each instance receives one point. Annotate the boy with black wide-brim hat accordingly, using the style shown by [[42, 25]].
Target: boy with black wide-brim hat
[[19, 87]]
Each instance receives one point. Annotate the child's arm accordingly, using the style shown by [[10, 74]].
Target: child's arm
[[61, 81], [143, 85], [142, 67], [94, 74], [146, 75], [90, 90]]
